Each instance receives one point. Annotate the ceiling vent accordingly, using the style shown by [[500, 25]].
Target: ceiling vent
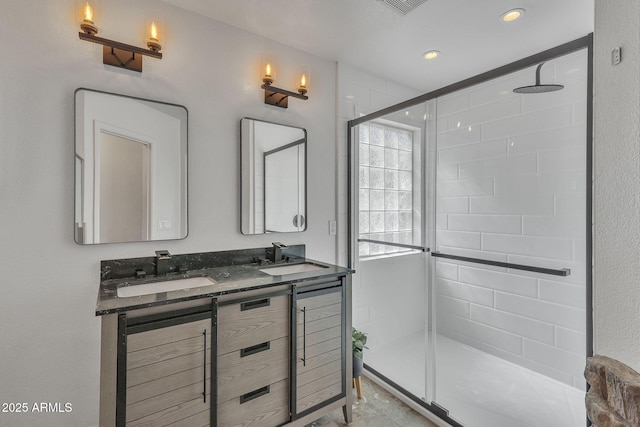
[[403, 6]]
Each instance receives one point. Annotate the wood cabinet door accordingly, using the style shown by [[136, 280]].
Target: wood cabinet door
[[320, 347], [168, 374]]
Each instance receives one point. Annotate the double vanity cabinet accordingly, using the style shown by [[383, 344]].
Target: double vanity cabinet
[[251, 349]]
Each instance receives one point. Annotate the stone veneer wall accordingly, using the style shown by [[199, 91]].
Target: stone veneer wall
[[614, 397]]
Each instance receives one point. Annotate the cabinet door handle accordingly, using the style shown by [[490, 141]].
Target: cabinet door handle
[[248, 351], [304, 336], [255, 304], [204, 370], [254, 394]]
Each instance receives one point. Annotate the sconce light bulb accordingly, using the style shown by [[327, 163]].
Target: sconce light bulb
[[302, 90], [267, 75], [154, 32], [88, 13], [153, 44], [87, 25]]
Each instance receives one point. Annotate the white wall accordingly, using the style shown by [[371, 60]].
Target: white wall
[[617, 182], [50, 335]]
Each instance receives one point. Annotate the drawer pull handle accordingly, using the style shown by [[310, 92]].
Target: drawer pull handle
[[255, 349], [304, 336], [254, 394], [255, 304], [204, 373]]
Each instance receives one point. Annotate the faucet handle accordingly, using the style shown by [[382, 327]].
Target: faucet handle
[[279, 245], [163, 254]]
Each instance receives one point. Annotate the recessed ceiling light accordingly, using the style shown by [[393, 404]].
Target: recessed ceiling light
[[512, 15], [432, 54]]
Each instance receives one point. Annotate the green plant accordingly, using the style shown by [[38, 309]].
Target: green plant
[[359, 339]]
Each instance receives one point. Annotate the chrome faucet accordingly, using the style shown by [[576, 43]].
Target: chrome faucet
[[276, 253], [162, 262]]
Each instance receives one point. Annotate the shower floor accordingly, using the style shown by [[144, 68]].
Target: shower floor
[[479, 389]]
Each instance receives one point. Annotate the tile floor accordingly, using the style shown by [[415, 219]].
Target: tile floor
[[481, 390], [377, 409]]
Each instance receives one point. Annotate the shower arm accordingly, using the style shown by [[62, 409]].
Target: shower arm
[[538, 74]]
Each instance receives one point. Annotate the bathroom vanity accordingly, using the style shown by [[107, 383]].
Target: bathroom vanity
[[224, 339]]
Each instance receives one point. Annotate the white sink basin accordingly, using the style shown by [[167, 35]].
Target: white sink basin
[[165, 286], [293, 268]]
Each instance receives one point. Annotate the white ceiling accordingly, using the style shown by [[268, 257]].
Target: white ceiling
[[370, 35]]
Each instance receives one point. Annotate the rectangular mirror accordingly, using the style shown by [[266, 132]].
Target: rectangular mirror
[[130, 169], [274, 177]]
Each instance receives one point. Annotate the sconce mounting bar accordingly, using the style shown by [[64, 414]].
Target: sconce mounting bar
[[279, 97], [120, 54]]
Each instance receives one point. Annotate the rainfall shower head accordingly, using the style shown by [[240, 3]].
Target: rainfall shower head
[[538, 88]]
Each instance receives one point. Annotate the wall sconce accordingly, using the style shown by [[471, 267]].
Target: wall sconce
[[280, 97], [119, 54]]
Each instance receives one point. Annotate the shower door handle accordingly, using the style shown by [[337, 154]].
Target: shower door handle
[[543, 270]]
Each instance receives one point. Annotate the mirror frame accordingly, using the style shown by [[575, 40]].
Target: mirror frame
[[184, 163], [244, 184]]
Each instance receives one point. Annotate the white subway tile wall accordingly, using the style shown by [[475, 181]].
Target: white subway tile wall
[[511, 186]]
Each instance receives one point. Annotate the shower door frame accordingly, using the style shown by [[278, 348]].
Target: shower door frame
[[585, 42]]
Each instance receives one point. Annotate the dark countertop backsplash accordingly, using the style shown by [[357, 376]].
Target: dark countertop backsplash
[[233, 271], [180, 263]]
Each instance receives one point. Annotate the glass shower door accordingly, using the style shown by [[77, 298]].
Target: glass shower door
[[510, 258], [389, 287]]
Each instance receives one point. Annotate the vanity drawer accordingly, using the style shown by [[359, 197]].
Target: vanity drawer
[[244, 370], [265, 406], [252, 322]]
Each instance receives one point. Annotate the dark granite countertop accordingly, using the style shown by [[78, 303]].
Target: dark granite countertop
[[228, 279]]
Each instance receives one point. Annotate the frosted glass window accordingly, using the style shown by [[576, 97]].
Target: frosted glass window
[[376, 156], [364, 200], [386, 181], [376, 135], [391, 179], [376, 178], [391, 158], [364, 177], [377, 200]]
